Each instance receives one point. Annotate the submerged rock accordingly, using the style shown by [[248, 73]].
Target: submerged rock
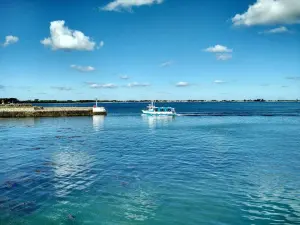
[[59, 137], [3, 200], [24, 207], [124, 183], [71, 217], [50, 164], [71, 137], [9, 184]]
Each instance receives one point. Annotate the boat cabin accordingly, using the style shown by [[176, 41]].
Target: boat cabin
[[154, 110], [163, 109]]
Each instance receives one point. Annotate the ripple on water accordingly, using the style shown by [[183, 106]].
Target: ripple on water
[[136, 170]]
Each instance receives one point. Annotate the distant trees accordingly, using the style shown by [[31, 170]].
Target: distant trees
[[259, 100], [255, 100], [8, 100], [15, 100]]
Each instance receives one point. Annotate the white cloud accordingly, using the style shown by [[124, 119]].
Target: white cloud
[[182, 84], [10, 40], [276, 30], [109, 85], [119, 5], [270, 12], [219, 82], [64, 38], [223, 57], [124, 77], [166, 64], [221, 52], [218, 49], [83, 68], [101, 44], [136, 84]]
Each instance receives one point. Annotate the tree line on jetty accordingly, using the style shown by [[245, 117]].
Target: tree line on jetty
[[17, 101]]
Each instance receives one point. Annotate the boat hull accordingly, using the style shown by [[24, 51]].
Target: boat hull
[[158, 113]]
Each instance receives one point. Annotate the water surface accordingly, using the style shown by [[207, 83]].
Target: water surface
[[131, 169]]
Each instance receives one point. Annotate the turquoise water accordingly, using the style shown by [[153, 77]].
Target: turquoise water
[[129, 169]]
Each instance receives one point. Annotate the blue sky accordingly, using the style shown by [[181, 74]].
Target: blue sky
[[150, 49]]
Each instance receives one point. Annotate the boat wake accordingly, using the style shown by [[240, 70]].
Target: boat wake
[[235, 114]]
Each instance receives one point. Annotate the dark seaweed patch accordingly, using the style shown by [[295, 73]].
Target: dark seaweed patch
[[27, 207]]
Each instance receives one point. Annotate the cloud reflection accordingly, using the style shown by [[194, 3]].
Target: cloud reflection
[[72, 171]]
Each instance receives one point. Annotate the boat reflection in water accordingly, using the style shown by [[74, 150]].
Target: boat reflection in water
[[98, 122], [158, 121]]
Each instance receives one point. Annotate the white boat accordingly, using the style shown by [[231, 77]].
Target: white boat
[[159, 111]]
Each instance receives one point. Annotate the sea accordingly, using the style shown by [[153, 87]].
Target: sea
[[214, 163]]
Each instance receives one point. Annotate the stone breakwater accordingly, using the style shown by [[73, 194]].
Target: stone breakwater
[[8, 112]]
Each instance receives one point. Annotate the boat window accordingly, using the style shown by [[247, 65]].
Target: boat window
[[162, 109], [155, 110], [169, 110]]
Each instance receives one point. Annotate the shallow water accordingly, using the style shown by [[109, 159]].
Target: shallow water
[[131, 169]]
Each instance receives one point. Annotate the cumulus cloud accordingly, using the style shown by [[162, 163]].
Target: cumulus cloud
[[83, 68], [124, 77], [264, 12], [61, 88], [119, 5], [10, 40], [219, 82], [98, 86], [166, 64], [223, 57], [182, 84], [61, 37], [222, 52], [276, 30], [136, 84], [218, 49]]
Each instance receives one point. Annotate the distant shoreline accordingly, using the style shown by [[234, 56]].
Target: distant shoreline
[[157, 101], [37, 101], [167, 101]]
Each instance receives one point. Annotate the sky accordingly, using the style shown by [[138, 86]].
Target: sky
[[150, 49]]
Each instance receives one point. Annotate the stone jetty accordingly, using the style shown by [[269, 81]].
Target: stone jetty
[[8, 111]]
